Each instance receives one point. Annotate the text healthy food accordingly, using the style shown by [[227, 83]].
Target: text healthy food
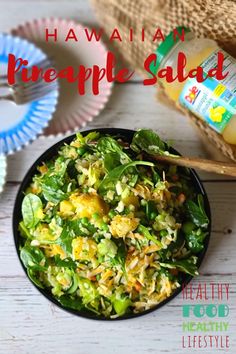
[[108, 231]]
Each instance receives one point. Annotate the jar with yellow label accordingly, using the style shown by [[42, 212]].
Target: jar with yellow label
[[211, 100]]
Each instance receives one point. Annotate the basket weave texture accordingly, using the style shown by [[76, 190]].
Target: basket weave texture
[[209, 18]]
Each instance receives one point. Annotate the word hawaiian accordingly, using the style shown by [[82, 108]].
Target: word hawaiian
[[205, 326], [218, 342], [96, 74], [206, 310], [205, 291], [94, 34]]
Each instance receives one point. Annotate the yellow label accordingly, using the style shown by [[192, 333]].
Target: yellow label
[[219, 90]]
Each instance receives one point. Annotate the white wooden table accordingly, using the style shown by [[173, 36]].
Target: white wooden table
[[31, 324]]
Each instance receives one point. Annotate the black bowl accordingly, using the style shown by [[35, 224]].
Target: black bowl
[[126, 135]]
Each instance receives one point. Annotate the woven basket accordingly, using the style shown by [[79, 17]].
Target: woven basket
[[210, 18]]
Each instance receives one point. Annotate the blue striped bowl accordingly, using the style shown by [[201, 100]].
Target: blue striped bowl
[[21, 124]]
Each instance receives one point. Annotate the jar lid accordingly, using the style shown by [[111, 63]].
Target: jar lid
[[165, 47]]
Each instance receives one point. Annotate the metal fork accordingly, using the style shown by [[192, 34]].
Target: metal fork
[[23, 95], [22, 92]]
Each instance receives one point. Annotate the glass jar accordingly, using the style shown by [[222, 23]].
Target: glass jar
[[211, 100]]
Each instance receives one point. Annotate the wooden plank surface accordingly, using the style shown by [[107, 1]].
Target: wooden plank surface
[[31, 324]]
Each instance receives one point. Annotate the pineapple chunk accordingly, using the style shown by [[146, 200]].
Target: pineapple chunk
[[122, 225], [83, 248], [66, 208], [88, 204], [54, 250], [131, 200], [43, 169]]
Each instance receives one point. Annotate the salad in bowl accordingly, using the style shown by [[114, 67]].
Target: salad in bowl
[[104, 231]]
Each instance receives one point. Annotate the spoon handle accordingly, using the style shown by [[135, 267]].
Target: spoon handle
[[219, 167]]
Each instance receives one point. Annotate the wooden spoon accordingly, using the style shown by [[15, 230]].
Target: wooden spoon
[[222, 168]]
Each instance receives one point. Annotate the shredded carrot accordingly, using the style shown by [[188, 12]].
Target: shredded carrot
[[137, 286]]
